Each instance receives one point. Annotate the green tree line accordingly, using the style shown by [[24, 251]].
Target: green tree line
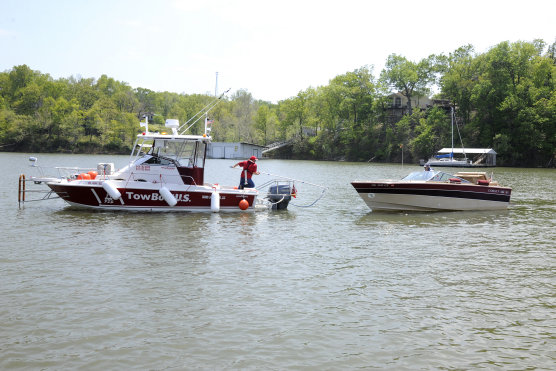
[[504, 99]]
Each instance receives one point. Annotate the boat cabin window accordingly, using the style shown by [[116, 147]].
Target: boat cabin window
[[141, 149], [159, 160], [199, 155], [187, 153]]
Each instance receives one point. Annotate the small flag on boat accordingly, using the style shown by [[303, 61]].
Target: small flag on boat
[[294, 191]]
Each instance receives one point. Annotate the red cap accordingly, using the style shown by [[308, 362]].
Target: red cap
[[253, 158]]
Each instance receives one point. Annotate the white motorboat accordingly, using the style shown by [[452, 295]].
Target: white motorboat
[[433, 191]]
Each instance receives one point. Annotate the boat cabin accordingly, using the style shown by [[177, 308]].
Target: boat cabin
[[186, 153]]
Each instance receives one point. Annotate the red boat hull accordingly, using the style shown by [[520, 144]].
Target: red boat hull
[[146, 199]]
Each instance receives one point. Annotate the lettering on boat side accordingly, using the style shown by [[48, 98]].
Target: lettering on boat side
[[155, 196], [143, 167], [207, 197]]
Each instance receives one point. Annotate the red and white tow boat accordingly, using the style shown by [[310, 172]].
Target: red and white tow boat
[[433, 191], [165, 173]]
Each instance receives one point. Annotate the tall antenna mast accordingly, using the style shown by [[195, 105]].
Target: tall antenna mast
[[452, 119], [216, 87]]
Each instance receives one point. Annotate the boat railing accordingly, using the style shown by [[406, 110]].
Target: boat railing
[[60, 172], [23, 190]]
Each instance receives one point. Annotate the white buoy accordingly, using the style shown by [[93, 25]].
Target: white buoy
[[111, 190], [215, 202], [168, 196]]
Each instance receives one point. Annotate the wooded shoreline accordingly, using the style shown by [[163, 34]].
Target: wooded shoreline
[[504, 99]]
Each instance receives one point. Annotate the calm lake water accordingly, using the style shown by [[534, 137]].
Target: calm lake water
[[328, 287]]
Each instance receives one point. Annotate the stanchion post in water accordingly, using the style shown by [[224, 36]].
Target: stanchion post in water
[[21, 190]]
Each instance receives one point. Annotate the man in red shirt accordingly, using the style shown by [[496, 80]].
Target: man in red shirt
[[249, 168]]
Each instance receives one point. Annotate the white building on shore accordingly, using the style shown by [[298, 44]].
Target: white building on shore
[[235, 150]]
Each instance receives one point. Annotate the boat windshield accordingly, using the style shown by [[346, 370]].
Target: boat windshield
[[184, 153], [435, 176], [420, 175]]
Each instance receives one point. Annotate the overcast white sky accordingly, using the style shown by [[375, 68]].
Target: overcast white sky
[[273, 49]]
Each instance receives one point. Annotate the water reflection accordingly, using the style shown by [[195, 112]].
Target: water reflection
[[436, 218]]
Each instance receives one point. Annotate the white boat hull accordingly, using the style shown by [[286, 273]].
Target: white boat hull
[[431, 196], [394, 202]]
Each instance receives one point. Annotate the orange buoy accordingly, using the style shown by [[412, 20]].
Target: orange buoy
[[83, 176], [93, 174], [243, 204]]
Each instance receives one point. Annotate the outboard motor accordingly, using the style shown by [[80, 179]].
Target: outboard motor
[[279, 196]]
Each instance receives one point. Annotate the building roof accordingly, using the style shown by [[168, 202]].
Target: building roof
[[467, 150], [237, 143]]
